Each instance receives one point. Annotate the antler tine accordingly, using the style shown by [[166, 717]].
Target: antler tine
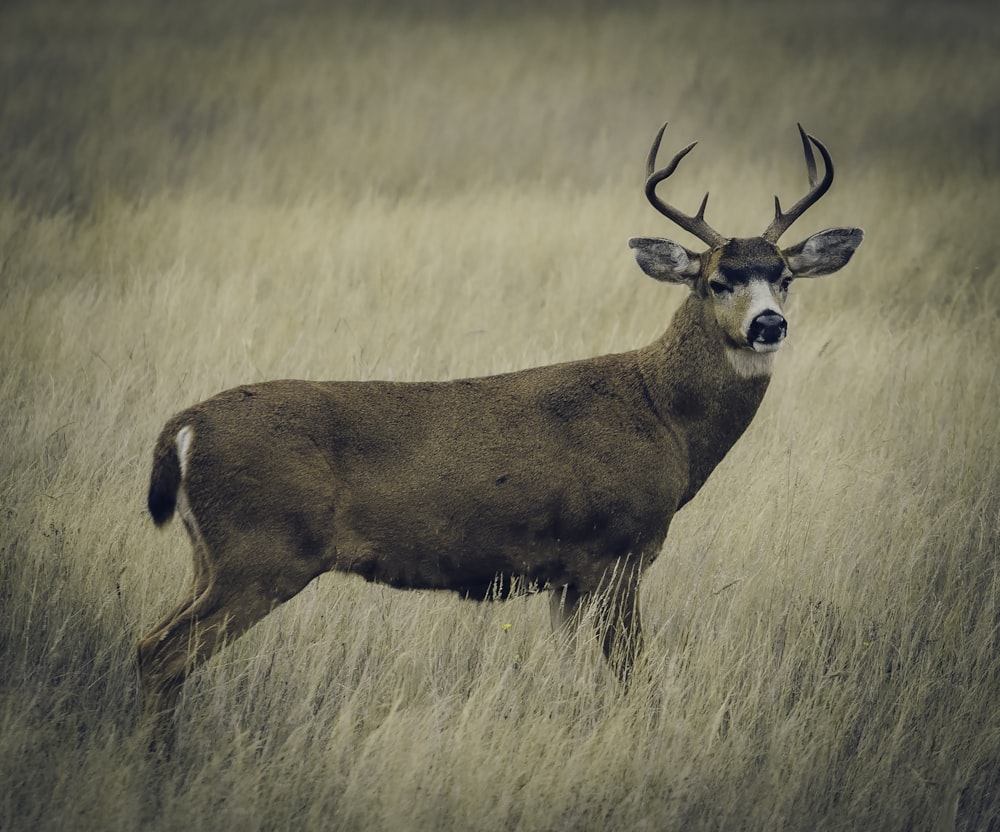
[[810, 157], [696, 224], [779, 225]]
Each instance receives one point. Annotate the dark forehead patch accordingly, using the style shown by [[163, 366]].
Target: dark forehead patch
[[751, 257]]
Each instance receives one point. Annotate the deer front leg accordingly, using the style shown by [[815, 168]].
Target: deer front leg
[[616, 616], [619, 625]]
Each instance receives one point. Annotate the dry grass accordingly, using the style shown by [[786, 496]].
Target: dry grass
[[196, 198]]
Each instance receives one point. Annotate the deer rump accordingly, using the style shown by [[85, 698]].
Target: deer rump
[[549, 475]]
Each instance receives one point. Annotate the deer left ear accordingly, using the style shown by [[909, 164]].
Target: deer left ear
[[823, 253]]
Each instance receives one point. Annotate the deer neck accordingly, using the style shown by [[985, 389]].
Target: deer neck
[[705, 391]]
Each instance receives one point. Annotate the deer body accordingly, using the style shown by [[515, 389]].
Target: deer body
[[566, 476], [548, 474]]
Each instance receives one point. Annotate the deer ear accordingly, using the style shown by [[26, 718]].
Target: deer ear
[[823, 253], [665, 260]]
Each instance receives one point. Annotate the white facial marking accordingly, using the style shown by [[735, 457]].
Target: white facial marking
[[749, 364], [185, 439], [760, 300]]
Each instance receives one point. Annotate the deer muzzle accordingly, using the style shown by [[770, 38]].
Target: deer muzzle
[[767, 331]]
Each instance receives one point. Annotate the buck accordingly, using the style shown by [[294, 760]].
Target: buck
[[564, 476]]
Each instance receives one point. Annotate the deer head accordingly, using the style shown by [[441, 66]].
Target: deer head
[[744, 281]]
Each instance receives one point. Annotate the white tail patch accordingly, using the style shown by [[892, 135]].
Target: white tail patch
[[750, 364], [189, 520], [185, 439]]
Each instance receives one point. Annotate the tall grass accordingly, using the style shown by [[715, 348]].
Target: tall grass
[[195, 197]]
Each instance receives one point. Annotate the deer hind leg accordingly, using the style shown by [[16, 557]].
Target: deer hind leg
[[156, 687], [199, 586], [225, 600], [222, 613]]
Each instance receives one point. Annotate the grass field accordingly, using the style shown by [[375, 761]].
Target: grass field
[[196, 197]]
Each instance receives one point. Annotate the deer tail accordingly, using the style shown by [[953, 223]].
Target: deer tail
[[169, 464]]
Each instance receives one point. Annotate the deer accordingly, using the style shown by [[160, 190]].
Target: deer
[[563, 477]]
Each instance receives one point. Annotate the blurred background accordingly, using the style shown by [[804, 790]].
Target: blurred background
[[198, 195]]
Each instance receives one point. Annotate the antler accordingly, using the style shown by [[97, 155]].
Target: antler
[[779, 225], [696, 224]]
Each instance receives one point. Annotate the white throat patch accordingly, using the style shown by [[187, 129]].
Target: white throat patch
[[750, 364]]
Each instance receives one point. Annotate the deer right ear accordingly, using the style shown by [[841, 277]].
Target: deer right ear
[[665, 260]]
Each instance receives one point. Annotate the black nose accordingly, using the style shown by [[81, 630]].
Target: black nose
[[767, 328]]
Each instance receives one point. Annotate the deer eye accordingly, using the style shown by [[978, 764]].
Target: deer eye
[[719, 289]]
